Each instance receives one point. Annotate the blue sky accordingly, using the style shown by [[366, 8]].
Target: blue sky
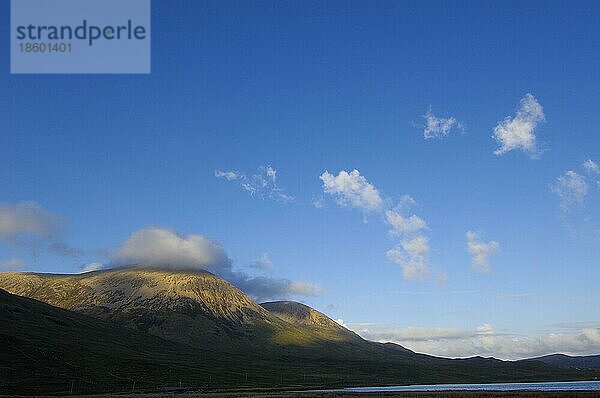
[[304, 88]]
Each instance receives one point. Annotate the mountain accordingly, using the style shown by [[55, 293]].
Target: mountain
[[194, 308], [191, 307], [105, 330], [310, 320], [573, 362]]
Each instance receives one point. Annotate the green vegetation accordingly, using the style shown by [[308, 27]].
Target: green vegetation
[[150, 330], [442, 394], [449, 394]]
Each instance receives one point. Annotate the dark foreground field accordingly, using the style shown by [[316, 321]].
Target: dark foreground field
[[449, 394]]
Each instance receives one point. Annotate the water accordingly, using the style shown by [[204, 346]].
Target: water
[[558, 386]]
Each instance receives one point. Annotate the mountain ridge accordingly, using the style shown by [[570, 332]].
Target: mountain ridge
[[571, 361], [193, 307], [206, 331]]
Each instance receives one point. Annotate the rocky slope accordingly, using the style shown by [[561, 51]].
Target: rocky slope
[[131, 288]]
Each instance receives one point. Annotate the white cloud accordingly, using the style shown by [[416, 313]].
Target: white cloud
[[404, 225], [13, 264], [519, 132], [405, 203], [154, 246], [228, 175], [417, 246], [486, 328], [352, 190], [412, 251], [591, 167], [318, 201], [411, 254], [263, 262], [271, 173], [165, 248], [304, 288], [439, 127], [341, 323], [411, 333], [30, 227], [571, 188], [261, 185], [484, 341], [480, 251], [92, 267], [28, 218]]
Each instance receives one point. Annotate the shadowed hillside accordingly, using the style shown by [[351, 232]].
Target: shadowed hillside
[[575, 362], [44, 349], [156, 328]]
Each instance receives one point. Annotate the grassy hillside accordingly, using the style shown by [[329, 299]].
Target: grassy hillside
[[47, 349], [157, 329], [312, 321]]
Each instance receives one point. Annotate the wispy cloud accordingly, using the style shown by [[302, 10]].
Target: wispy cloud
[[229, 175], [262, 185], [481, 251], [591, 167], [412, 255], [571, 188], [28, 219], [518, 133], [578, 200], [28, 226], [351, 189], [263, 263], [439, 127], [318, 201]]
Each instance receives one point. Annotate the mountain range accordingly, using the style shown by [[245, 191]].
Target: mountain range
[[139, 328], [572, 362]]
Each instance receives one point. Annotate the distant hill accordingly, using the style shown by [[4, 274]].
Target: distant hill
[[105, 330], [310, 320], [573, 362]]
